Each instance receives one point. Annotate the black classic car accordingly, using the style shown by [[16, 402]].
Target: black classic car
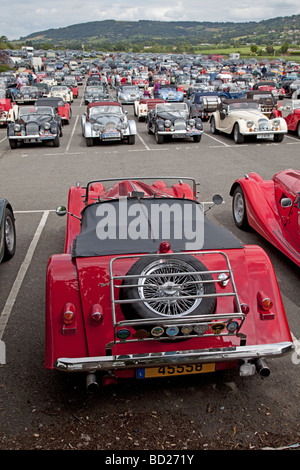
[[203, 104], [27, 94], [266, 99], [35, 124], [7, 231], [94, 93], [172, 120]]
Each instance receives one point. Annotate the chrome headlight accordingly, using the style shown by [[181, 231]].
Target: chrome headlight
[[168, 123], [191, 122], [250, 124], [17, 127], [123, 125], [276, 122], [96, 127], [47, 126]]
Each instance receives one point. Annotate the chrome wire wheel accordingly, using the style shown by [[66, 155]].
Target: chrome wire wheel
[[9, 234], [239, 208], [167, 283]]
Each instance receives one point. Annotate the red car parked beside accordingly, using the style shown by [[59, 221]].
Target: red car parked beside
[[271, 208]]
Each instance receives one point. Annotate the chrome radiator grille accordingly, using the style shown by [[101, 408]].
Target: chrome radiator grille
[[32, 128]]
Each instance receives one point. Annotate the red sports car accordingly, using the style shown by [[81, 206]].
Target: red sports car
[[271, 208], [148, 287], [293, 119], [8, 110], [62, 108]]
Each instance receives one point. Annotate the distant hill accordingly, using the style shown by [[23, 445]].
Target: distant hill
[[276, 29]]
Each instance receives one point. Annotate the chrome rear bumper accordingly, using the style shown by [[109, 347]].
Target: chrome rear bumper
[[158, 359]]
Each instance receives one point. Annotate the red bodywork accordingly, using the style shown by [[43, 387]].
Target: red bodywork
[[265, 214], [74, 90], [65, 112], [293, 120], [5, 107], [86, 285], [140, 81]]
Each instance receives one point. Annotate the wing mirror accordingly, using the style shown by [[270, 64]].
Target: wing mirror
[[217, 199], [286, 202], [61, 211]]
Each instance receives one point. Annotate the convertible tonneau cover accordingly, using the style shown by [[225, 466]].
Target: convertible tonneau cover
[[88, 244]]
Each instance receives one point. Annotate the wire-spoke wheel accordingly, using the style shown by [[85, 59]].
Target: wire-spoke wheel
[[9, 235], [239, 209], [169, 287]]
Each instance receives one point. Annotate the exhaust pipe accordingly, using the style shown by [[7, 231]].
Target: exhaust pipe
[[91, 382], [262, 368]]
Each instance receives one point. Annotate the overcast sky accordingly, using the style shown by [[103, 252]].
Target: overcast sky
[[23, 18]]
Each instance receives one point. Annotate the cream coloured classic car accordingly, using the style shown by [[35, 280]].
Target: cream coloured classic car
[[242, 118], [62, 91]]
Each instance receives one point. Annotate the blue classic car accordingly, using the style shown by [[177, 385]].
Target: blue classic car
[[170, 93]]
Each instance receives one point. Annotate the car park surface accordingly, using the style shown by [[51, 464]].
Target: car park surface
[[206, 411]]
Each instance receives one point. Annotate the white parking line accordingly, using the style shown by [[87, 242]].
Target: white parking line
[[217, 140], [143, 142], [72, 134], [5, 314], [3, 139]]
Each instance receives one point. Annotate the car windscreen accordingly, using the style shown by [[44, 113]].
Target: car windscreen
[[171, 107], [243, 106], [105, 110], [127, 226], [35, 111]]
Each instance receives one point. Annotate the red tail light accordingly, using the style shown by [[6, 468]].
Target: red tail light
[[69, 319], [97, 313], [264, 301], [68, 313], [265, 304], [164, 247]]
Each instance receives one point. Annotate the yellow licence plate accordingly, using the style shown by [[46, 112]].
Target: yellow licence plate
[[167, 371]]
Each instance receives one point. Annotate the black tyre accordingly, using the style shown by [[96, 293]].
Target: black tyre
[[197, 138], [278, 137], [239, 210], [56, 141], [298, 130], [89, 141], [213, 128], [13, 143], [237, 136], [167, 284], [9, 235], [159, 138], [131, 139]]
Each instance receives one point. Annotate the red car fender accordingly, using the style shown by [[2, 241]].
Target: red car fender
[[262, 212], [263, 215], [62, 288]]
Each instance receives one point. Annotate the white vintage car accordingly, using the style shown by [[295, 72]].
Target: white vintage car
[[62, 91], [143, 106], [242, 118]]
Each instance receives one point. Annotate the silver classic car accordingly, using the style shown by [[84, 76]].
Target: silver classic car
[[106, 121], [128, 94]]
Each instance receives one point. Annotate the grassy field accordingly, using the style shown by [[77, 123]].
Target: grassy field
[[245, 52]]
